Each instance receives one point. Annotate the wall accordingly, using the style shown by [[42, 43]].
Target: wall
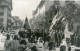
[[7, 4]]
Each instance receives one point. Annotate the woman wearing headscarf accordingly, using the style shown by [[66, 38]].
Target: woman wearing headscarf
[[7, 44], [15, 43], [40, 45]]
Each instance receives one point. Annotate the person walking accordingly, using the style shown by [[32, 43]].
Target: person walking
[[51, 46], [46, 46], [23, 44], [34, 48], [15, 43], [40, 45], [7, 43], [62, 48]]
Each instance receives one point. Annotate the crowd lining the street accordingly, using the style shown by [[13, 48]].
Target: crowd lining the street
[[30, 41], [25, 41]]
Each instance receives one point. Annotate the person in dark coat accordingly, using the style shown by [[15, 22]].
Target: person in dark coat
[[22, 45], [63, 48], [69, 48], [51, 45], [34, 48], [21, 33]]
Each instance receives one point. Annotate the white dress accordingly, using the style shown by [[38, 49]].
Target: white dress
[[2, 41], [40, 46]]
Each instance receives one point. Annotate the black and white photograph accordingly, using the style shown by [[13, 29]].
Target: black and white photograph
[[39, 25]]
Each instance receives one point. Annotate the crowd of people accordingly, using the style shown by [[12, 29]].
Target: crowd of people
[[27, 41]]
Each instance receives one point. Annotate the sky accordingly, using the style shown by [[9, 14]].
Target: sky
[[23, 8]]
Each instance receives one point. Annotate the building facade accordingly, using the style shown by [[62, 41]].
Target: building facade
[[5, 12]]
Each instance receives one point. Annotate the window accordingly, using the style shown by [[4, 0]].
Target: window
[[1, 19], [2, 7], [2, 13]]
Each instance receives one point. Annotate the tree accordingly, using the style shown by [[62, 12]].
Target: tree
[[72, 12], [26, 25]]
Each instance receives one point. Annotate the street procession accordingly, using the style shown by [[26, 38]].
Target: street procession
[[39, 25]]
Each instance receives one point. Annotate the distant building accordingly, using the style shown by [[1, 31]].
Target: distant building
[[5, 12], [17, 23]]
